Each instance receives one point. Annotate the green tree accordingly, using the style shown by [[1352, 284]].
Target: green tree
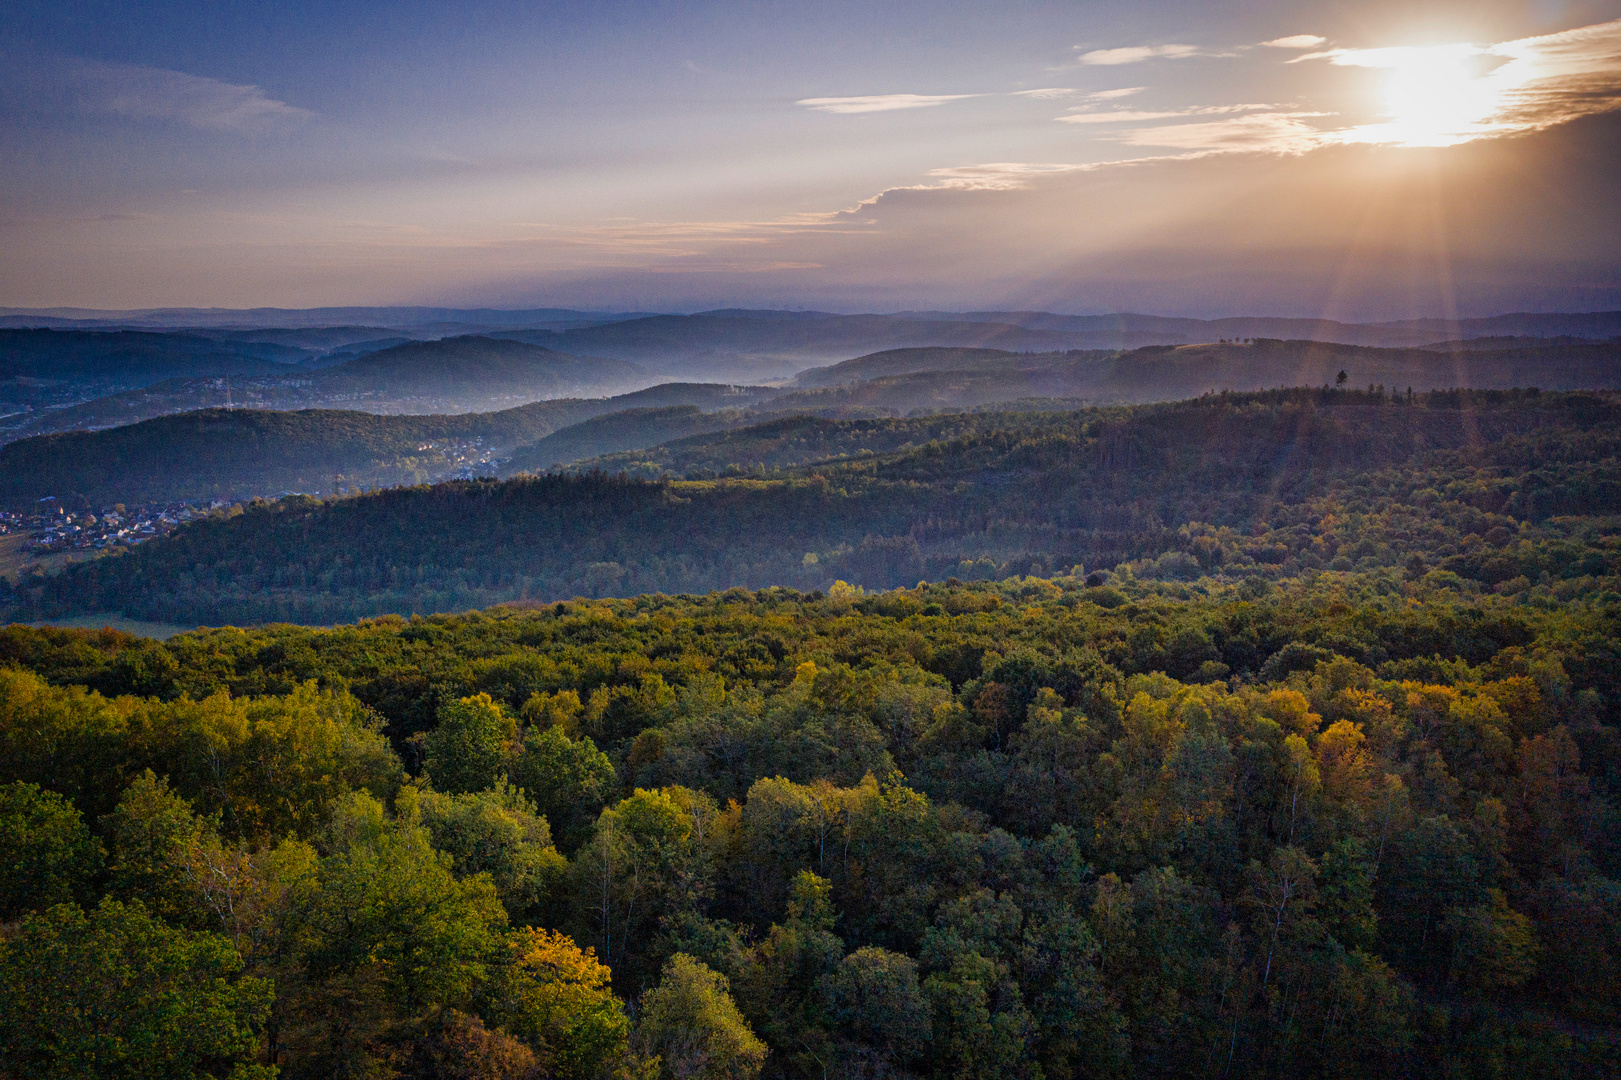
[[469, 747], [692, 1024], [778, 979], [570, 781], [638, 866], [1494, 946], [47, 855], [495, 832], [114, 992], [155, 837], [380, 931], [877, 1009]]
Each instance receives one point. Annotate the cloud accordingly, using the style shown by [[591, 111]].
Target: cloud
[[997, 175], [1110, 95], [1119, 116], [1558, 78], [880, 102], [147, 93], [1132, 54], [1296, 41], [1047, 92], [1080, 116], [1275, 132], [1395, 56]]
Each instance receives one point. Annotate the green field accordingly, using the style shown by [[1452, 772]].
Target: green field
[[159, 631]]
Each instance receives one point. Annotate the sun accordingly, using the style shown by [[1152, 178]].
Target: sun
[[1436, 96], [1431, 95]]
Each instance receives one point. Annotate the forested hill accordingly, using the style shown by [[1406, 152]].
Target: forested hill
[[131, 356], [905, 361], [781, 443], [478, 366], [1510, 490], [469, 373], [613, 433], [920, 378], [247, 453]]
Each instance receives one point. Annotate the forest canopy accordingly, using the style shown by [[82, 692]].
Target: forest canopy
[[1334, 824]]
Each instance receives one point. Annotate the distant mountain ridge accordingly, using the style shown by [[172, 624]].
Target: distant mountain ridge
[[293, 318], [1600, 324], [41, 393], [204, 454], [1597, 324]]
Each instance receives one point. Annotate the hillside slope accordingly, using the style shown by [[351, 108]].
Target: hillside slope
[[907, 361], [947, 378], [750, 348], [453, 375], [45, 370], [463, 368], [242, 453], [1233, 484], [631, 430]]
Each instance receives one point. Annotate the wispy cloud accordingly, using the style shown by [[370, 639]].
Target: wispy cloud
[[148, 93], [997, 175], [1395, 56], [1132, 54], [1276, 132], [891, 102], [880, 102], [1296, 41], [1111, 95], [1080, 115], [1119, 116]]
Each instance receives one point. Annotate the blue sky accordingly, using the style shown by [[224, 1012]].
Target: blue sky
[[1366, 160]]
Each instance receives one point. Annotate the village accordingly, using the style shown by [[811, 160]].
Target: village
[[54, 528]]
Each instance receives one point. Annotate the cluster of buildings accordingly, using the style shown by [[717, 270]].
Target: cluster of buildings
[[53, 527], [466, 458]]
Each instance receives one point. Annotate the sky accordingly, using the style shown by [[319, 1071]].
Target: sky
[[1351, 160]]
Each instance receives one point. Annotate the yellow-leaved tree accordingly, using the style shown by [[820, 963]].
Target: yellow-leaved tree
[[557, 996]]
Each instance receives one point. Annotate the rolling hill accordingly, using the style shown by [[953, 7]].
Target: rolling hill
[[244, 453], [630, 430], [890, 362], [749, 347], [786, 442], [452, 375], [476, 368], [974, 378], [42, 370], [107, 361], [1237, 484], [1120, 330]]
